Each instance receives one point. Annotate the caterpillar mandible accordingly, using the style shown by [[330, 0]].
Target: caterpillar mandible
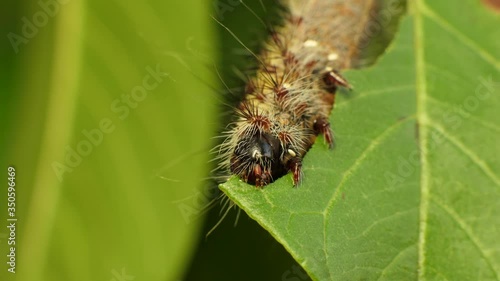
[[288, 101]]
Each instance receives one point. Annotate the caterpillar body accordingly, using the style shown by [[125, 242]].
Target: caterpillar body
[[288, 102]]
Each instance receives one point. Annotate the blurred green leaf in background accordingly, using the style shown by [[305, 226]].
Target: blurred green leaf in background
[[108, 109], [107, 129]]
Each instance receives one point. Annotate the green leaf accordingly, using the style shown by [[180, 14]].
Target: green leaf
[[412, 189], [107, 184]]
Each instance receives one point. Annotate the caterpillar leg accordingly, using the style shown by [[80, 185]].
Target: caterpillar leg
[[294, 165], [322, 126], [262, 177], [332, 79]]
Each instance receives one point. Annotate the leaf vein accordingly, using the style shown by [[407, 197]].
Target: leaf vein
[[420, 74], [346, 175], [469, 153], [396, 257], [466, 40], [384, 219], [468, 231], [481, 122], [375, 93]]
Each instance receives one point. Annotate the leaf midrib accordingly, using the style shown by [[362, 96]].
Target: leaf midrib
[[421, 92], [419, 10]]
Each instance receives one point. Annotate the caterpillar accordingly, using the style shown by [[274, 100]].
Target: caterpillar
[[287, 103]]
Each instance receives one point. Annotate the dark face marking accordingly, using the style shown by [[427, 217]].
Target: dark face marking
[[257, 159]]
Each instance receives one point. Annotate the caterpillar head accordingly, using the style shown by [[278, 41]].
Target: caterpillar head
[[256, 159]]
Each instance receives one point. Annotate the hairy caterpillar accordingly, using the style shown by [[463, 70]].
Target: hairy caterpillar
[[288, 101]]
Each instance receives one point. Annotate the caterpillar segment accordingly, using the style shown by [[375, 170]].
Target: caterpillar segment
[[289, 100]]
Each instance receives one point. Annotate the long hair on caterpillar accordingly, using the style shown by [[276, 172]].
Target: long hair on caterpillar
[[289, 96], [288, 100]]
